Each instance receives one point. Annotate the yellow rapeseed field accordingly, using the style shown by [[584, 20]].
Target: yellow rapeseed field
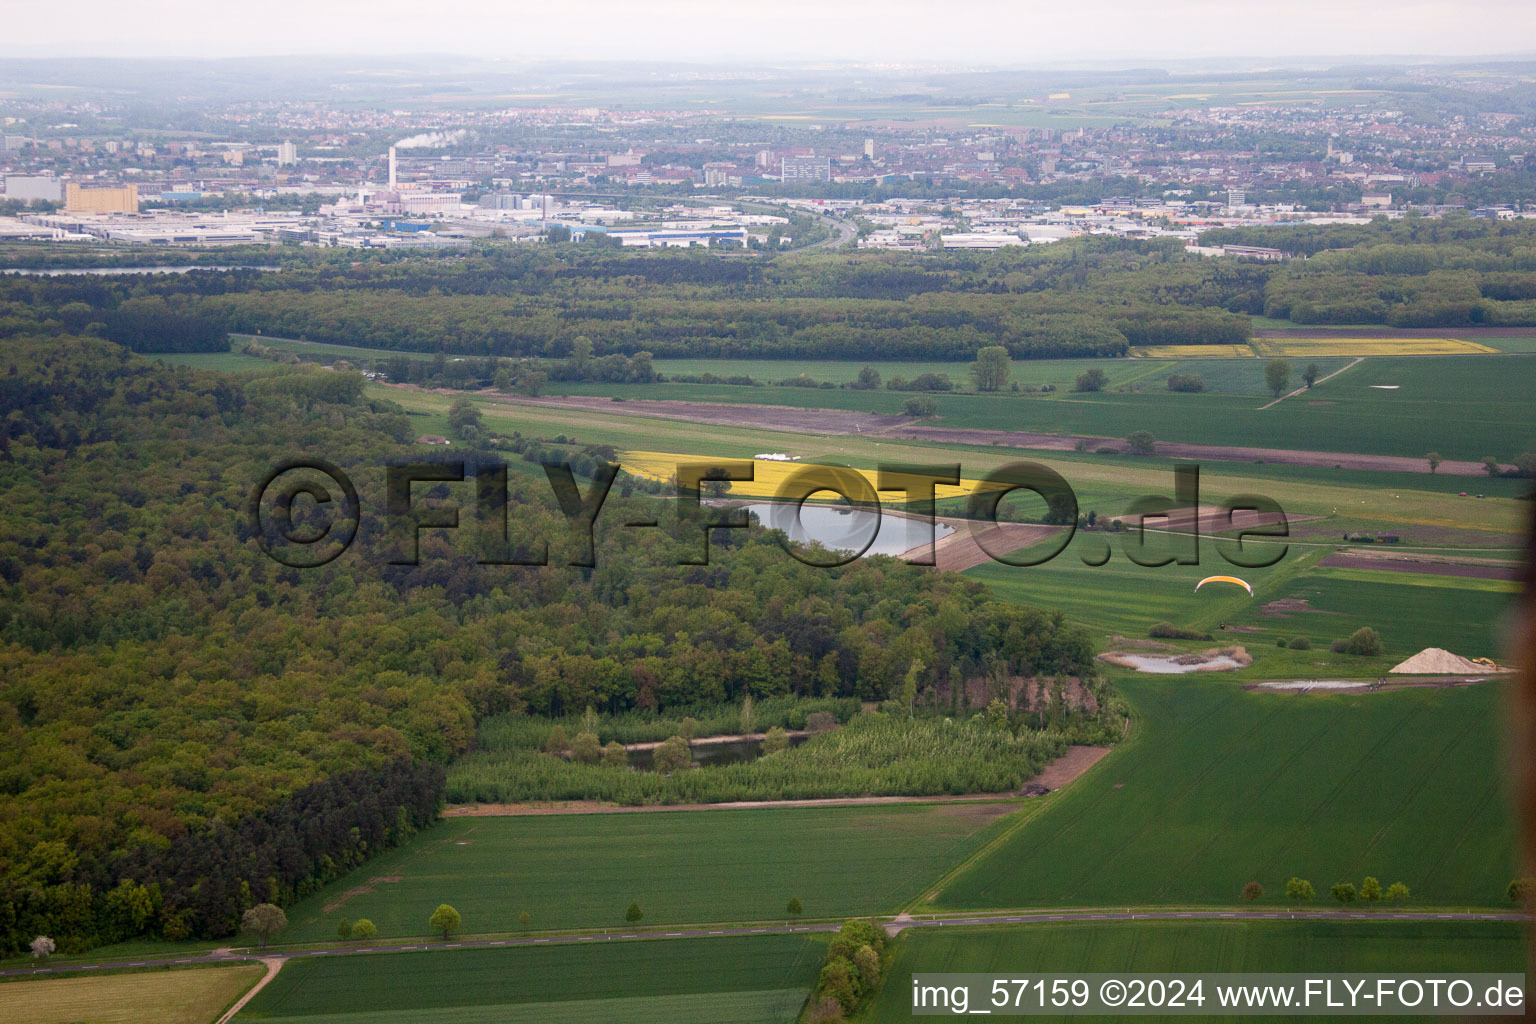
[[1368, 347], [768, 475], [1195, 351]]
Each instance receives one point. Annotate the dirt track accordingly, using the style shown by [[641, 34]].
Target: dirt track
[[1435, 568], [1173, 449], [839, 421]]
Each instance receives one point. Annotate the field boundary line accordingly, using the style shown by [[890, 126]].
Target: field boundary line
[[1034, 808], [274, 964], [1320, 380]]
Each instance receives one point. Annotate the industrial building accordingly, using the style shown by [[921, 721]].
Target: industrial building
[[28, 188], [805, 168], [101, 200]]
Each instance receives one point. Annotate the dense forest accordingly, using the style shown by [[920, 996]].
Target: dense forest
[[1089, 296], [190, 728]]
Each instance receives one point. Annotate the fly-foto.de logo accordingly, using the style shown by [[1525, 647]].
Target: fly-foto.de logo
[[305, 513]]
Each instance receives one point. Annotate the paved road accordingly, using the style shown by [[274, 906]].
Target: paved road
[[951, 921]]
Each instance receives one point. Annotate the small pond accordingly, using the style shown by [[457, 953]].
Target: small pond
[[710, 754], [1173, 665]]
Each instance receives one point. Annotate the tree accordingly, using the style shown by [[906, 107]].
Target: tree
[[748, 720], [794, 909], [1490, 465], [344, 930], [531, 381], [634, 913], [1252, 891], [363, 929], [1364, 641], [1140, 442], [868, 963], [43, 947], [774, 740], [524, 918], [555, 742], [1299, 890], [920, 407], [991, 369], [614, 755], [674, 754], [464, 419], [1397, 892], [1310, 375], [444, 919], [1277, 375], [1522, 891], [585, 749], [264, 920], [869, 379], [688, 728], [1091, 380], [1434, 461], [1344, 892], [1370, 890]]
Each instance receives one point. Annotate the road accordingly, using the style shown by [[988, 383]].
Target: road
[[1048, 916]]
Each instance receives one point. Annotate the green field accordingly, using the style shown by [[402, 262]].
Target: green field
[[1465, 407], [1190, 946], [1411, 611], [1219, 786], [581, 871], [193, 996], [731, 979]]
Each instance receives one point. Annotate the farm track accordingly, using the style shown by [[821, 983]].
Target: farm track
[[1048, 916], [841, 421]]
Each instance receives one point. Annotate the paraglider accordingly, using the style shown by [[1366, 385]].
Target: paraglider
[[1225, 579]]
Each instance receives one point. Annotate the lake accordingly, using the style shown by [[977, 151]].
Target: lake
[[843, 528]]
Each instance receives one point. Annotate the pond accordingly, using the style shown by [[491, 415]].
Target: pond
[[840, 527], [711, 754]]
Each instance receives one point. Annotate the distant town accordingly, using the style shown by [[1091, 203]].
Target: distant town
[[312, 173]]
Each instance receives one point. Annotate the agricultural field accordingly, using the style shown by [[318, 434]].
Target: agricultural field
[[1485, 397], [582, 870], [1410, 503], [1189, 946], [1303, 348], [733, 979], [1411, 610], [188, 996], [1219, 786]]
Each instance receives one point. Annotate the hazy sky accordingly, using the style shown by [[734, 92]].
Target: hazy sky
[[981, 31]]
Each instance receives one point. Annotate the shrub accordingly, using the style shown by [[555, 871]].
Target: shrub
[[774, 741], [920, 407], [585, 748], [673, 755], [1091, 380], [1252, 891], [1185, 382], [1364, 641], [1168, 631], [1300, 643]]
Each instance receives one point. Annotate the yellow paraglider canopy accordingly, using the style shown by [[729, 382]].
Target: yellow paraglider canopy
[[1225, 579]]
